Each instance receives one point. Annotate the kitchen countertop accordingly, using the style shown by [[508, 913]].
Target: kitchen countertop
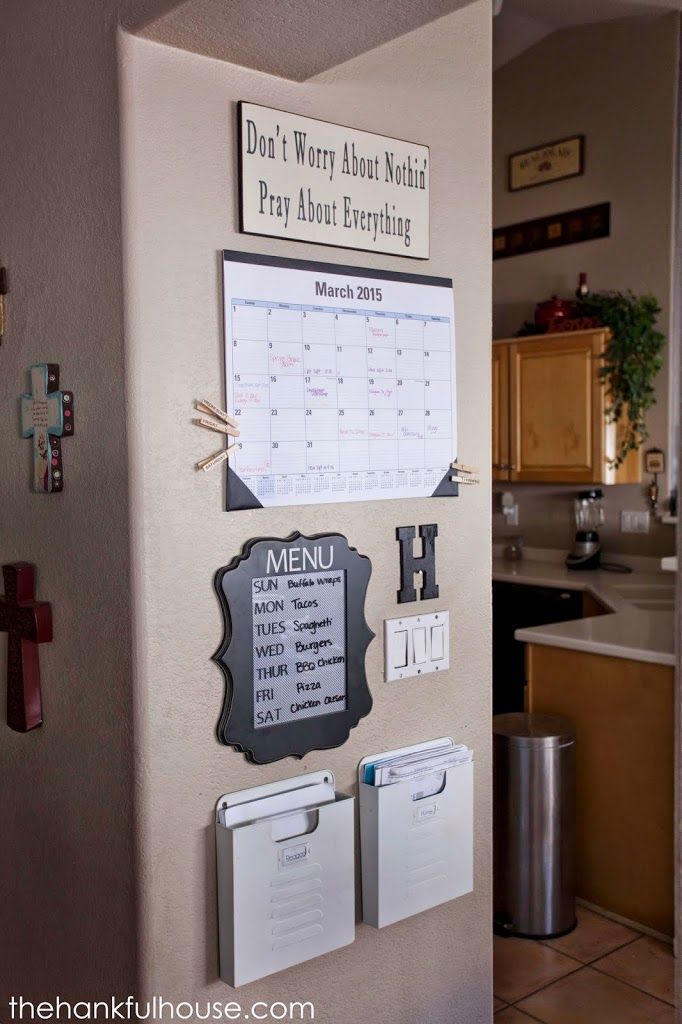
[[639, 625]]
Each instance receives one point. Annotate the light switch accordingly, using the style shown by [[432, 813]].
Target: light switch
[[399, 649], [634, 521], [415, 645], [419, 643], [437, 643]]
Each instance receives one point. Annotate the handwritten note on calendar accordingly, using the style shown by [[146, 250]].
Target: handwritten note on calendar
[[342, 379]]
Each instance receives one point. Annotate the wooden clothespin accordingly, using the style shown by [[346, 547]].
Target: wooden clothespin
[[203, 406], [220, 428], [464, 469], [462, 474], [225, 425], [215, 460]]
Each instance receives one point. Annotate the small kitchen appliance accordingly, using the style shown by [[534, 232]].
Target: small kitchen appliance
[[589, 515]]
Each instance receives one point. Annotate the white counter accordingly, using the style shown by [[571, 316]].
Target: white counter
[[639, 626]]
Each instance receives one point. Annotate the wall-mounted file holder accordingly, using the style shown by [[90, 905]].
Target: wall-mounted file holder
[[416, 853], [286, 881]]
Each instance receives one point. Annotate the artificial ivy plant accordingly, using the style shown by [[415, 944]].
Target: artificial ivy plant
[[632, 359]]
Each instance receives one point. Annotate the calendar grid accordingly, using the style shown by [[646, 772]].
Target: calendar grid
[[334, 400]]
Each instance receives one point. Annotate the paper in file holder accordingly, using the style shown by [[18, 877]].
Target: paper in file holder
[[286, 880], [416, 853]]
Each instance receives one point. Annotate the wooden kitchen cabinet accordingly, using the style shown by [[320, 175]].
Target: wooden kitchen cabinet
[[624, 714], [549, 412], [500, 386]]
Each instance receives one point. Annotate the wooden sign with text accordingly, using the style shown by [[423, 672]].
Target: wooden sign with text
[[544, 164], [313, 181]]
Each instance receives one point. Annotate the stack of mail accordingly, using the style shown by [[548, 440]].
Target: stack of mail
[[423, 766]]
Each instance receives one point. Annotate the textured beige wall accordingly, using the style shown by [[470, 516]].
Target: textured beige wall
[[66, 878], [180, 209], [615, 83]]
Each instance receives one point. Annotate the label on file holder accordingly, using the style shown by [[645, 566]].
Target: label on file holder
[[424, 813], [292, 855]]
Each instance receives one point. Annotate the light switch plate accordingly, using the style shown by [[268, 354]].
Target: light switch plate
[[634, 521], [416, 645]]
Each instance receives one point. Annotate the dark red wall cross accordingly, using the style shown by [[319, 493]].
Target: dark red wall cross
[[28, 623]]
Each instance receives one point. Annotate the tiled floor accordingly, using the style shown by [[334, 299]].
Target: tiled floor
[[600, 973]]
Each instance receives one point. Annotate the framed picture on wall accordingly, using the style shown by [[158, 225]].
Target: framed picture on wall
[[553, 161]]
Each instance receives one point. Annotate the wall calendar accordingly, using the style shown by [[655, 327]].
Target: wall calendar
[[342, 381]]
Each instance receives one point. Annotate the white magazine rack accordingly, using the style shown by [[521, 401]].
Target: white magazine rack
[[282, 901], [416, 854]]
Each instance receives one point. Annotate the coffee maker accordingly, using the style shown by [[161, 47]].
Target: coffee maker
[[589, 515]]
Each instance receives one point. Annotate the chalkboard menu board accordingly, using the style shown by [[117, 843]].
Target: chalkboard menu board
[[294, 647]]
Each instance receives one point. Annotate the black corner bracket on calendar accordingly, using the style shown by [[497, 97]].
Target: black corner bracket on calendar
[[294, 645], [447, 488], [239, 497]]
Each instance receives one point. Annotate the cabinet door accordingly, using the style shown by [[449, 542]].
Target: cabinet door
[[557, 409], [500, 396], [624, 814]]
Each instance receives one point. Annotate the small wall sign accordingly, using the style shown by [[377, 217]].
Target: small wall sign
[[293, 651], [313, 181], [552, 161], [654, 461]]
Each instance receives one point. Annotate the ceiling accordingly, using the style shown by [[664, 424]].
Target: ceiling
[[293, 39], [298, 39], [522, 23]]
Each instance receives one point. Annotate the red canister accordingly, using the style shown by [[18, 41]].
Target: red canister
[[551, 310]]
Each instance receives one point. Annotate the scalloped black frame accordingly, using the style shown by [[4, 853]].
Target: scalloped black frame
[[235, 654]]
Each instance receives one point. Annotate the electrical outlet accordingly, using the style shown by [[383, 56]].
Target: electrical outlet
[[509, 508], [634, 522]]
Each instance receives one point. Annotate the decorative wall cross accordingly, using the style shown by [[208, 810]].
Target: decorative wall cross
[[47, 415], [28, 623]]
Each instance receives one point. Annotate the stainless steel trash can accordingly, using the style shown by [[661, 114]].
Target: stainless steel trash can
[[534, 824]]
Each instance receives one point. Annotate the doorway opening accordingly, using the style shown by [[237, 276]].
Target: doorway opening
[[586, 174]]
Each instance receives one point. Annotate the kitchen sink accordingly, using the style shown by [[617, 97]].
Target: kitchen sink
[[662, 604], [650, 597]]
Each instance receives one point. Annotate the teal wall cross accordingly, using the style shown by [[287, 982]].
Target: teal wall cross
[[46, 416]]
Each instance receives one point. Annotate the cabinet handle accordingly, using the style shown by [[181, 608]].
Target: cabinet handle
[[503, 465]]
